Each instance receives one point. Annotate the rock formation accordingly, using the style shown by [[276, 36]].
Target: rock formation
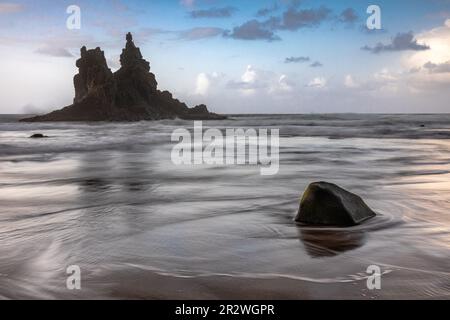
[[130, 94], [38, 136], [326, 204]]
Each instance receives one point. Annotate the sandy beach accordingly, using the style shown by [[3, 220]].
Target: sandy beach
[[107, 198]]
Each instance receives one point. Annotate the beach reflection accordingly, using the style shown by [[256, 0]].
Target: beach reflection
[[328, 243]]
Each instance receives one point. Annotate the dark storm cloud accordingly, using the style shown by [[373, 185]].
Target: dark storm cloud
[[213, 13], [401, 42]]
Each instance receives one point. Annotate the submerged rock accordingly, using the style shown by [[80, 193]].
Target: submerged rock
[[327, 204], [38, 136], [129, 94]]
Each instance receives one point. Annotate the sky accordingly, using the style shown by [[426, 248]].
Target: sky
[[266, 56]]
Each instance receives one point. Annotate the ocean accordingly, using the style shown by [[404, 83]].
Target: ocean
[[106, 197]]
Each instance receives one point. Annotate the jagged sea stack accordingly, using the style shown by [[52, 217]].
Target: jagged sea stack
[[129, 94], [326, 204]]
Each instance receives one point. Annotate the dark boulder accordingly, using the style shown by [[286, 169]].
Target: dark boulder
[[38, 136], [326, 204]]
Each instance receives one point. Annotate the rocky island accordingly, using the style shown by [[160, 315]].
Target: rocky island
[[129, 94]]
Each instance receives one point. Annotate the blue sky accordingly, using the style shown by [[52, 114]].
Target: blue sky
[[223, 53]]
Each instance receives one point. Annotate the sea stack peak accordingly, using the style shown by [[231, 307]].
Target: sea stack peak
[[129, 37], [131, 55], [129, 94]]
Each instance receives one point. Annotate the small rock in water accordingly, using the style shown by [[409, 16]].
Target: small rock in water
[[327, 204], [38, 136]]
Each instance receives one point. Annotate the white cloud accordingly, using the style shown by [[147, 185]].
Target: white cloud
[[251, 80], [249, 75], [427, 69], [385, 76], [420, 72], [202, 84], [318, 82], [349, 82], [261, 82], [439, 41], [284, 83], [205, 81]]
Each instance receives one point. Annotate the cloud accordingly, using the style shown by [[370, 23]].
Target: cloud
[[187, 3], [202, 84], [213, 13], [316, 64], [283, 85], [263, 12], [349, 82], [294, 19], [205, 81], [197, 33], [65, 44], [437, 67], [249, 75], [253, 80], [407, 82], [386, 75], [439, 41], [386, 82], [10, 7], [145, 34], [401, 42], [318, 82], [262, 83], [54, 52], [296, 59], [348, 16], [200, 33], [254, 30]]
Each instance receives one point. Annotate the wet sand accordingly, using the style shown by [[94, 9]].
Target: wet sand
[[106, 197], [136, 285]]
